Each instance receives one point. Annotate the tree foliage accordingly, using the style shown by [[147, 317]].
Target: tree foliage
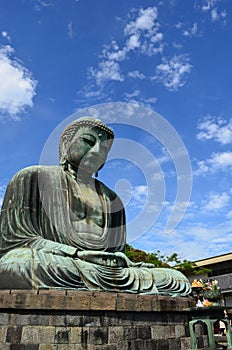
[[173, 261]]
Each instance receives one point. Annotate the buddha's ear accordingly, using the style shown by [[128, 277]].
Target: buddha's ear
[[63, 148]]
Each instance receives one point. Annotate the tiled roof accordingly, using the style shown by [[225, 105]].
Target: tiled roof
[[224, 281]]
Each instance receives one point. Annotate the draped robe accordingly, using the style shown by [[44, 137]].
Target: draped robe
[[39, 242]]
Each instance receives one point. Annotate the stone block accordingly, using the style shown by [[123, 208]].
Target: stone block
[[110, 347], [152, 344], [144, 332], [47, 347], [144, 303], [4, 318], [162, 332], [62, 335], [180, 331], [107, 301], [72, 320], [39, 319], [185, 343], [106, 321], [126, 302], [38, 334], [69, 347], [24, 347], [24, 299], [17, 347], [166, 305], [98, 335], [75, 335], [30, 334], [86, 320], [129, 333], [78, 301], [124, 345], [116, 334], [55, 320], [18, 319], [137, 344], [31, 347], [155, 304], [3, 332], [53, 302], [174, 343], [163, 344], [4, 346], [14, 334]]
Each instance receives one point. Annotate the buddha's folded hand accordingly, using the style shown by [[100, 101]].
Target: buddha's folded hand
[[130, 263], [102, 258]]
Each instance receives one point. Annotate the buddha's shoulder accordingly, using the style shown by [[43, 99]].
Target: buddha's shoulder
[[38, 170]]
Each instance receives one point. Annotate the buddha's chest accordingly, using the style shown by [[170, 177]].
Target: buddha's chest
[[86, 206]]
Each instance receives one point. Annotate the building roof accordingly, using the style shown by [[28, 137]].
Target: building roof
[[214, 260], [224, 282]]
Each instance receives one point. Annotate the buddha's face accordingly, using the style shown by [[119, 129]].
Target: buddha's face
[[88, 149]]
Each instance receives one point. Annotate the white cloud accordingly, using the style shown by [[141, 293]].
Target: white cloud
[[136, 75], [17, 85], [207, 5], [70, 29], [6, 35], [217, 129], [172, 73], [229, 215], [133, 97], [221, 160], [217, 201], [144, 21], [217, 162], [40, 4], [133, 94], [139, 195], [108, 70], [191, 31], [149, 101], [141, 35], [144, 32], [192, 241], [133, 42], [215, 14]]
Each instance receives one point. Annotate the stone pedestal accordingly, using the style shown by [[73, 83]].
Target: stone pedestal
[[85, 320]]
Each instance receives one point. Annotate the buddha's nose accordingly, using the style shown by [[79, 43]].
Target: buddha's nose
[[96, 148]]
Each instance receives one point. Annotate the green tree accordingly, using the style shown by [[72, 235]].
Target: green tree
[[173, 261]]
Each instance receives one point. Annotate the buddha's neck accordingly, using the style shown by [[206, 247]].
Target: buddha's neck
[[78, 175]]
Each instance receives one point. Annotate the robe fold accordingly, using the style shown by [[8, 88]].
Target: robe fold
[[39, 241]]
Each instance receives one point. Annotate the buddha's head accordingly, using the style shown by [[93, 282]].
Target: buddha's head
[[85, 144]]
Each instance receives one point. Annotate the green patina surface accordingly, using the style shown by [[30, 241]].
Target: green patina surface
[[62, 228]]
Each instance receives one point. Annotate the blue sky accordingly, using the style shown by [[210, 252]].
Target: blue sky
[[172, 57]]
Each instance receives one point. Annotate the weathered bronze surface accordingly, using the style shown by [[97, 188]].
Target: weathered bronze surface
[[62, 228]]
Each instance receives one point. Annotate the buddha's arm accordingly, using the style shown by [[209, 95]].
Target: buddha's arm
[[24, 223], [131, 263], [17, 232], [117, 259], [52, 247]]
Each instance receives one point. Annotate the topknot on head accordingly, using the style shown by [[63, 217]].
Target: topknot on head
[[71, 129]]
